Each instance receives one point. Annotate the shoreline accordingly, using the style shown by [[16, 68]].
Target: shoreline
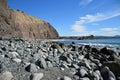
[[56, 61]]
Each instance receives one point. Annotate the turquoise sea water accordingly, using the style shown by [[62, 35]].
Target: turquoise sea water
[[103, 42]]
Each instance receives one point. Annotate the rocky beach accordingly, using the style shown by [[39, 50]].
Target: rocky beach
[[48, 60]]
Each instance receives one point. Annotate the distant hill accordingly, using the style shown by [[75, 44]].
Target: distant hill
[[88, 37], [106, 37]]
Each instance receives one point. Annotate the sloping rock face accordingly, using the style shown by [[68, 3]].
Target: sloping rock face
[[15, 23]]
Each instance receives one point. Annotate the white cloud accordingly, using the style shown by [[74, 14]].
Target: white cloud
[[85, 2], [109, 29], [97, 17], [78, 28], [79, 25], [96, 24]]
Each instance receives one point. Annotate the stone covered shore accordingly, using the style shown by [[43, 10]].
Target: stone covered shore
[[40, 60]]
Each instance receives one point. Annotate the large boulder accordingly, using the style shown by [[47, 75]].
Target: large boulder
[[15, 23], [107, 51], [114, 67]]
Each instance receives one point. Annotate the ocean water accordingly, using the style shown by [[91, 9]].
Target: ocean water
[[98, 42]]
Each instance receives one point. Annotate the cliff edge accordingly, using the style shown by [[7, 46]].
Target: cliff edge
[[15, 23]]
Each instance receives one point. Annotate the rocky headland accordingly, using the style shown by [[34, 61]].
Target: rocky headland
[[15, 23], [47, 60]]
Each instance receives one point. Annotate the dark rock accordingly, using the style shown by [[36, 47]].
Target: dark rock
[[4, 49], [104, 73], [114, 67], [107, 74], [87, 47], [74, 48], [107, 51], [95, 50], [111, 58], [73, 42], [63, 58]]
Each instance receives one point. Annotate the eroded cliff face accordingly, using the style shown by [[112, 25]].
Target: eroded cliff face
[[18, 24]]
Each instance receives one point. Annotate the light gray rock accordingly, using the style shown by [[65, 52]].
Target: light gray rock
[[85, 78], [49, 64], [41, 63], [2, 67], [81, 73], [111, 75], [37, 76], [6, 76], [31, 68], [97, 72], [80, 57], [65, 78], [2, 58], [41, 53], [75, 77], [17, 60], [64, 65], [111, 78], [75, 66], [87, 64], [13, 55], [55, 54], [96, 76]]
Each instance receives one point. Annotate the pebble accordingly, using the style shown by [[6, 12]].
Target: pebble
[[6, 76], [49, 64], [17, 60]]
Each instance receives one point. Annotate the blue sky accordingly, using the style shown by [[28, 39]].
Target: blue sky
[[75, 17]]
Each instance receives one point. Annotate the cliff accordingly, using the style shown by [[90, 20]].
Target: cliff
[[15, 23]]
